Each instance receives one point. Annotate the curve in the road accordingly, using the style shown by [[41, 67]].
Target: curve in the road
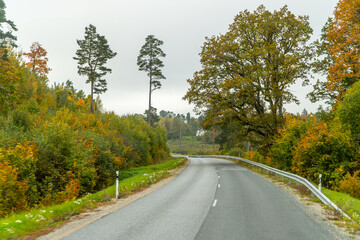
[[211, 199]]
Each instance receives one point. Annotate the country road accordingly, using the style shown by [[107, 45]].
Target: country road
[[211, 199]]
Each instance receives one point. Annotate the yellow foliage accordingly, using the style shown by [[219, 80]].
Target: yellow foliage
[[12, 192], [343, 35], [80, 102], [351, 184]]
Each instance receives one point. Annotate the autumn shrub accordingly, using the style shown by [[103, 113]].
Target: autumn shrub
[[148, 143], [350, 184], [23, 158], [283, 144], [325, 149], [237, 152], [55, 144], [254, 156], [12, 191]]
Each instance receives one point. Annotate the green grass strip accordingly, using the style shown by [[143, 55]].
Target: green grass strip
[[348, 204], [37, 220]]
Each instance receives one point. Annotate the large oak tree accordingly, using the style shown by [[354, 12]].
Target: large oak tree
[[246, 73]]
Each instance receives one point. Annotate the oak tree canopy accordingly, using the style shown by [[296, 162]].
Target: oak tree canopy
[[246, 72]]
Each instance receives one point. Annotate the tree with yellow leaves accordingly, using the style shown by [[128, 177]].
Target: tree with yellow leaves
[[246, 73], [38, 60], [343, 47]]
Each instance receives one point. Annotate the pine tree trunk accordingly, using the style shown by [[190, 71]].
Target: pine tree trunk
[[149, 111], [92, 98]]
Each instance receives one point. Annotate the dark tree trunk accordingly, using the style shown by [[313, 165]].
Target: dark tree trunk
[[92, 98], [149, 111], [150, 84]]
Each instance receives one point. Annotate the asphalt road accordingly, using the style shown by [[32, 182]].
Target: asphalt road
[[211, 199]]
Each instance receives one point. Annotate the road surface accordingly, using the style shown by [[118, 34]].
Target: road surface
[[211, 199]]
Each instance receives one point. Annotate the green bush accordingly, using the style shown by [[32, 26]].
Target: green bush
[[21, 119], [348, 111], [237, 152], [284, 143]]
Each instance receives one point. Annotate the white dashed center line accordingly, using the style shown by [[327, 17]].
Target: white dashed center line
[[214, 204]]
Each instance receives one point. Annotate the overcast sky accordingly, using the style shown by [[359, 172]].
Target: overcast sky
[[181, 24]]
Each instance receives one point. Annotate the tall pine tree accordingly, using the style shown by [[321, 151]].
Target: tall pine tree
[[6, 38], [149, 61], [92, 56]]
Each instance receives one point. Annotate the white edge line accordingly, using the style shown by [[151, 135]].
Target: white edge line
[[214, 204]]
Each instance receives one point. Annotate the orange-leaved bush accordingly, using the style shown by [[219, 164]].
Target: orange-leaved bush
[[350, 184], [325, 149]]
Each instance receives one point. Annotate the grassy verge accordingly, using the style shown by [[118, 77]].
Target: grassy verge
[[348, 204], [41, 220], [190, 145]]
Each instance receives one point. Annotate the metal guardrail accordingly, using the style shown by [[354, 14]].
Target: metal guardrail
[[288, 175]]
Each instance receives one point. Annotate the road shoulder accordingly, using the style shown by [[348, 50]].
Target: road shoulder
[[77, 222], [326, 217]]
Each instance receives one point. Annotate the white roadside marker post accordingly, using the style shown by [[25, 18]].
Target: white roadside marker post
[[320, 182], [117, 184]]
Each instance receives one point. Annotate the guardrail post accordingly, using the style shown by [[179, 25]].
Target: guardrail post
[[117, 184], [289, 181]]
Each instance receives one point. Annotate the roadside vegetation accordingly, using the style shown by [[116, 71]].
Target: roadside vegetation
[[350, 205], [41, 220], [56, 143]]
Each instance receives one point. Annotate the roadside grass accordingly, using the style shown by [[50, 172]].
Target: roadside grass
[[350, 205], [191, 145], [37, 221]]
